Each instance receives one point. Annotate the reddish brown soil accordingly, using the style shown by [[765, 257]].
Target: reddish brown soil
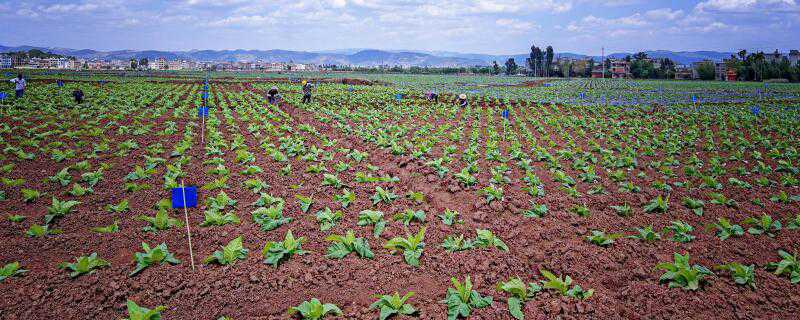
[[622, 275]]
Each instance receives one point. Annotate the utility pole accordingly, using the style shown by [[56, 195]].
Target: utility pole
[[603, 52]]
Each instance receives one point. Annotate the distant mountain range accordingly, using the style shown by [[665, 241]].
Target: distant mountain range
[[356, 57]]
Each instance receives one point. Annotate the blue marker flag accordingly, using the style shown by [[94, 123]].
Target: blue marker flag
[[2, 96], [505, 113], [694, 99], [202, 111], [191, 197], [399, 97], [756, 111], [205, 95], [60, 83], [205, 87]]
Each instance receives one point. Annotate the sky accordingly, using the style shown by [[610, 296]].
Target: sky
[[479, 26]]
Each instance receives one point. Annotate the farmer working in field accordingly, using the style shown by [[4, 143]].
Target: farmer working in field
[[78, 95], [462, 100], [272, 95], [306, 92], [432, 96], [19, 89]]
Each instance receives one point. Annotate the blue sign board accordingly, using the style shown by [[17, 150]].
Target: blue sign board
[[202, 111], [205, 95], [205, 87], [756, 111], [178, 197], [398, 97], [60, 83], [505, 114], [350, 89], [2, 96], [694, 99]]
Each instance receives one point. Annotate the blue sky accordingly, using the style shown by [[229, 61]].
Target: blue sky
[[481, 26]]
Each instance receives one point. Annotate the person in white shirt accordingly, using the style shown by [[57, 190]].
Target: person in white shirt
[[19, 89]]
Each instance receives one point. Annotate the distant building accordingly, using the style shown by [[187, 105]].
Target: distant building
[[597, 71], [683, 73], [794, 57], [620, 69], [696, 67], [730, 75], [5, 62], [720, 71], [158, 64]]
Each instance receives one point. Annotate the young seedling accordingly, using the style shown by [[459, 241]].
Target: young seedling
[[121, 207], [519, 293], [59, 209], [30, 195], [157, 255], [135, 312], [37, 231], [341, 246], [581, 210], [417, 197], [680, 231], [15, 218], [725, 229], [624, 210], [276, 252], [114, 227], [563, 285], [270, 218], [680, 275], [794, 223], [390, 305], [659, 205], [764, 225], [11, 270], [84, 265], [328, 218], [789, 266], [374, 218], [449, 217], [461, 299], [410, 215], [485, 239], [332, 180], [602, 239], [382, 195], [215, 218], [741, 274], [229, 254], [314, 310], [346, 198], [305, 202], [161, 221], [410, 246], [492, 193], [695, 205], [453, 244]]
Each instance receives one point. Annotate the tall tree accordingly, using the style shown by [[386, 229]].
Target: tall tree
[[540, 62], [548, 60], [134, 64], [532, 59], [511, 66], [495, 68], [143, 62]]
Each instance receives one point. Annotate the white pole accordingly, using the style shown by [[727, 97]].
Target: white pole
[[186, 218]]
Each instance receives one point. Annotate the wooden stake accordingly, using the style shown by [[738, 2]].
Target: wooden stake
[[186, 218]]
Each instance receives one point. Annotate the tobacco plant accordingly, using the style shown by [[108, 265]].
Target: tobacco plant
[[341, 246], [519, 293], [393, 304], [461, 299], [84, 265], [680, 275], [229, 253], [276, 252], [152, 256], [314, 310], [410, 246]]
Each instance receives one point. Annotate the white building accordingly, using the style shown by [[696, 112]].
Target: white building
[[5, 62]]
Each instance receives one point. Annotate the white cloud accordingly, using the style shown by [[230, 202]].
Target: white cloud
[[28, 13], [749, 6], [664, 14], [72, 7], [515, 24]]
